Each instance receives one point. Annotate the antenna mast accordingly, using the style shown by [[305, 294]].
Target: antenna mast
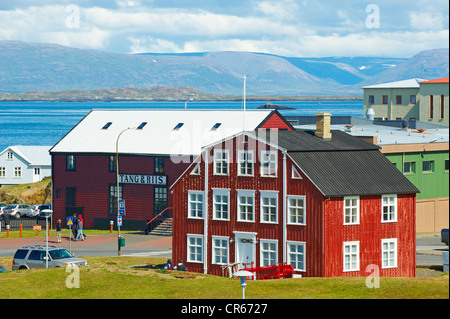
[[243, 114]]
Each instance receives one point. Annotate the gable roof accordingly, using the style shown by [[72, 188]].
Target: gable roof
[[302, 141], [443, 80], [352, 173], [160, 135], [410, 83], [344, 165], [33, 155]]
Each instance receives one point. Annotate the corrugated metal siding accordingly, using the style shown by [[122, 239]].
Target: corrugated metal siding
[[275, 121], [92, 179], [324, 232], [233, 182], [344, 173], [369, 233], [311, 233]]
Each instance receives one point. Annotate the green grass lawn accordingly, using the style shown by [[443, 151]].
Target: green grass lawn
[[111, 277]]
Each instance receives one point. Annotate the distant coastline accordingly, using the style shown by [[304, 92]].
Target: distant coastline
[[153, 94]]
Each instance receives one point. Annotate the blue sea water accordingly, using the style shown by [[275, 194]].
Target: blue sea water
[[45, 123]]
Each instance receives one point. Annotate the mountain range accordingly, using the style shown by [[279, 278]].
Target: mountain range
[[51, 68]]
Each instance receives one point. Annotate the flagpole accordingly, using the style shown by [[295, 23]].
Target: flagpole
[[243, 114]]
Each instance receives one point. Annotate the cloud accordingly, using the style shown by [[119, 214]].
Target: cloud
[[427, 20], [284, 27]]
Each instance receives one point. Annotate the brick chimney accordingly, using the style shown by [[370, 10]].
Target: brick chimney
[[323, 121]]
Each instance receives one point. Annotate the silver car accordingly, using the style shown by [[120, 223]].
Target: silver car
[[35, 210], [2, 207], [34, 257], [16, 210]]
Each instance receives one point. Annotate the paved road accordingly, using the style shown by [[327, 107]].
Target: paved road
[[98, 245], [429, 250], [429, 247]]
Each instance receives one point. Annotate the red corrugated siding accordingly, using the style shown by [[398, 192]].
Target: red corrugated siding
[[311, 233], [183, 225], [275, 121], [92, 179], [369, 233], [324, 232]]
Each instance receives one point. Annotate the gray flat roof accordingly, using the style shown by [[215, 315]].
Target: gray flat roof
[[388, 135]]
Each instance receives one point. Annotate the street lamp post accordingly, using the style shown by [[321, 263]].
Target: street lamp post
[[185, 103], [117, 189], [47, 213], [243, 274]]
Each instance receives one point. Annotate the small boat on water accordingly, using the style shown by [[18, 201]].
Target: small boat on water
[[275, 107]]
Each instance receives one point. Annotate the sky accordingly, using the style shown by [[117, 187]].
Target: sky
[[293, 28]]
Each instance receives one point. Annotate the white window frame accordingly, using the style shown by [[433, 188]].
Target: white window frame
[[272, 166], [2, 172], [245, 193], [350, 254], [9, 156], [196, 170], [269, 250], [221, 192], [242, 161], [17, 172], [388, 205], [195, 213], [270, 195], [290, 208], [388, 260], [219, 161], [224, 251], [349, 209], [198, 255], [299, 255], [295, 173]]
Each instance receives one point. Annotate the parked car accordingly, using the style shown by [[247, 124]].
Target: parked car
[[444, 236], [16, 210], [35, 210], [34, 257], [2, 207]]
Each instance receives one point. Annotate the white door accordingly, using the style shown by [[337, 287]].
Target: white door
[[36, 174], [245, 251]]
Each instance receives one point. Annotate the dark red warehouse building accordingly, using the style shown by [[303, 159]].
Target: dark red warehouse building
[[325, 202], [154, 147]]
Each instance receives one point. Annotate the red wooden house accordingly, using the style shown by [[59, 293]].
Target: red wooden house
[[154, 148], [327, 203]]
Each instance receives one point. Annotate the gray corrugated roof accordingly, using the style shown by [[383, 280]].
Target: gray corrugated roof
[[344, 165], [347, 173], [307, 141]]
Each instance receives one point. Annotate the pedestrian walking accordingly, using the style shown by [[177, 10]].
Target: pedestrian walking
[[74, 225], [79, 230], [58, 231]]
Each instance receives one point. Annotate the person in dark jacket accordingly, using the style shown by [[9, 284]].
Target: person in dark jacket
[[181, 266], [74, 225], [168, 266]]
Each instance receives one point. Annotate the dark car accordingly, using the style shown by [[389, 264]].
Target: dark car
[[444, 236]]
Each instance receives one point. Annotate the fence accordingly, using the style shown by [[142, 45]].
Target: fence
[[27, 223]]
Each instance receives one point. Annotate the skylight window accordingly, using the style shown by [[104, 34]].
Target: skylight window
[[141, 126], [178, 126], [216, 126], [105, 127]]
